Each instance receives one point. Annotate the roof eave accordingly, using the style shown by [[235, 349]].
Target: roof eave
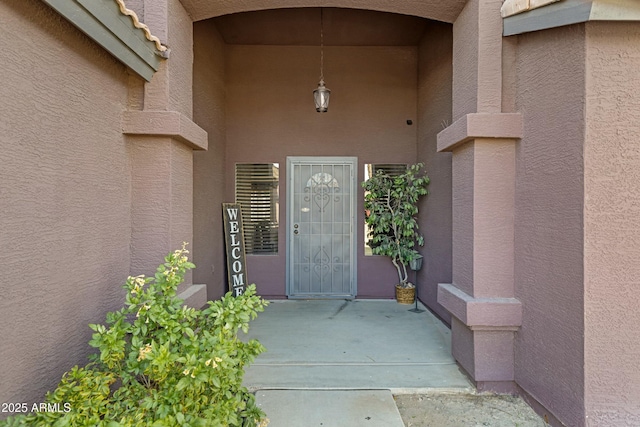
[[116, 29], [568, 12]]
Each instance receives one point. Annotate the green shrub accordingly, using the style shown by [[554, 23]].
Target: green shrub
[[161, 363]]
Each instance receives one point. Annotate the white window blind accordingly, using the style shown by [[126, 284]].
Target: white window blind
[[391, 169], [257, 194]]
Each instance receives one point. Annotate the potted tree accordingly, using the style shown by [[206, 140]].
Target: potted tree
[[391, 205]]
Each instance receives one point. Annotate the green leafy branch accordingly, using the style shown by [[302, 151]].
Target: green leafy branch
[[160, 363], [392, 206]]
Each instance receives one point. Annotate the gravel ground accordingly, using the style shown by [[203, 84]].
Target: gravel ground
[[466, 410]]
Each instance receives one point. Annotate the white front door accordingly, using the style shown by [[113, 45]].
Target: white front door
[[321, 213]]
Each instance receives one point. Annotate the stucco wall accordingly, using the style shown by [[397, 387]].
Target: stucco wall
[[549, 348], [612, 224], [209, 166], [180, 28], [162, 197], [162, 184], [170, 88], [434, 113], [64, 198], [465, 60], [270, 115], [477, 47]]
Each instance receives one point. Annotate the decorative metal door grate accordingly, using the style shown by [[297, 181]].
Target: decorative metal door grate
[[321, 214]]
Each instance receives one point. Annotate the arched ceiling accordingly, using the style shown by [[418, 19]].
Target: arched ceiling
[[439, 10], [301, 27]]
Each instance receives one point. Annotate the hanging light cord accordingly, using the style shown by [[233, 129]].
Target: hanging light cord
[[321, 44]]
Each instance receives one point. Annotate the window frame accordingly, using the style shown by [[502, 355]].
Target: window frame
[[257, 191]]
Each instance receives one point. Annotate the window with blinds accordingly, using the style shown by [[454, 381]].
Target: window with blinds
[[391, 169], [370, 169], [257, 194]]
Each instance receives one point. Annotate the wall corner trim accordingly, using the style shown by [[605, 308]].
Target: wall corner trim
[[165, 123], [480, 125], [481, 313]]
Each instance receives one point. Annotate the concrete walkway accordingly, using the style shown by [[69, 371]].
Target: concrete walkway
[[337, 363]]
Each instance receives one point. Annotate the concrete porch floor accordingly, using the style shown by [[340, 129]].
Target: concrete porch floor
[[357, 344], [338, 362]]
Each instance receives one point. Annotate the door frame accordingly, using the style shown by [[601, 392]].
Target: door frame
[[353, 182]]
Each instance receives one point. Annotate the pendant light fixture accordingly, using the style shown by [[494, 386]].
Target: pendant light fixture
[[322, 93]]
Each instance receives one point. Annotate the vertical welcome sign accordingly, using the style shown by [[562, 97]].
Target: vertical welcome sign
[[234, 242]]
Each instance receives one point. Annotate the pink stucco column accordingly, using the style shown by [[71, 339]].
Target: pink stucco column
[[482, 139], [481, 297], [162, 138]]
